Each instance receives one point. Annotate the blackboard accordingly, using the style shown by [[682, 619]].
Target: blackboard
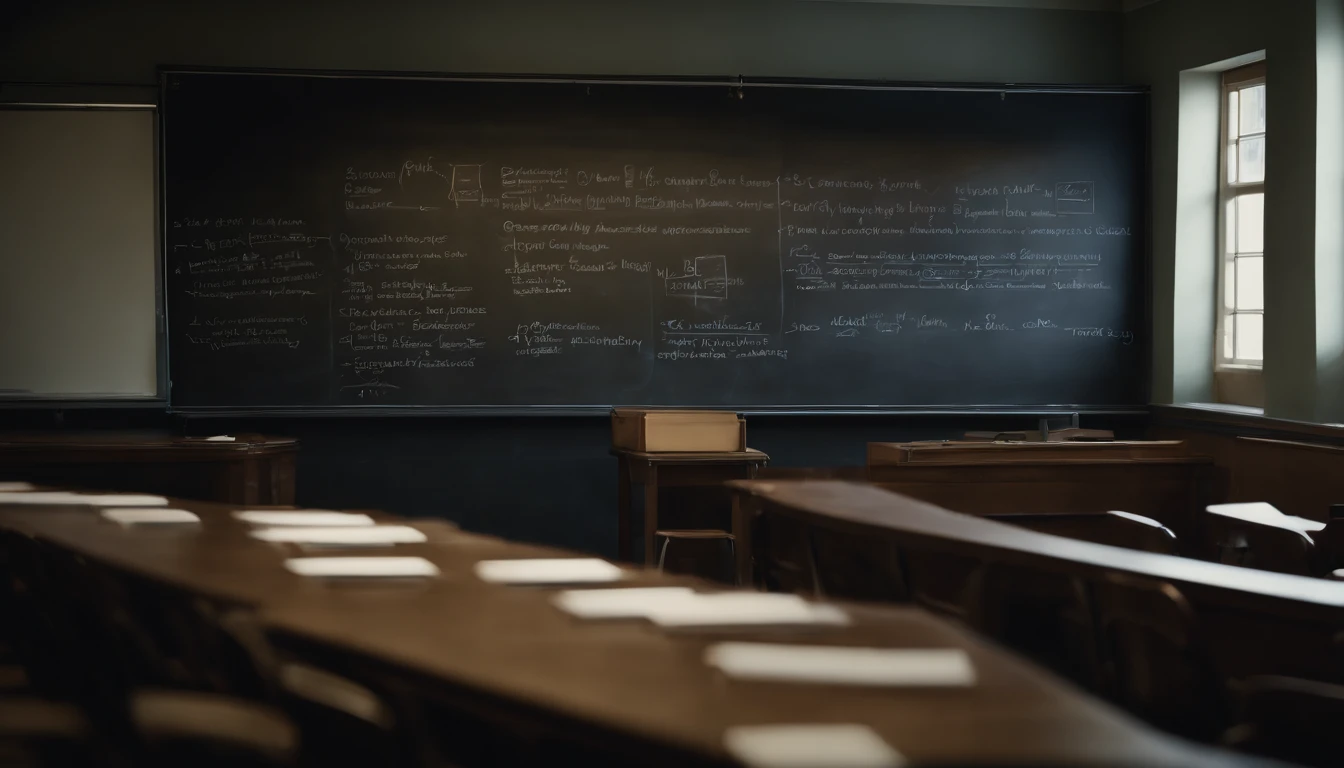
[[496, 244]]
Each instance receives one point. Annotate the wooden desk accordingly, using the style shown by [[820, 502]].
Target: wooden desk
[[1262, 622], [620, 691], [669, 470], [253, 469], [1157, 479]]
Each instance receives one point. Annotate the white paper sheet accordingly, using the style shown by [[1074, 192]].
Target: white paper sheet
[[583, 570], [150, 516], [743, 609], [1140, 519], [349, 534], [632, 603], [919, 667], [40, 497], [841, 745], [10, 486], [362, 567], [125, 500], [90, 499], [1264, 512], [220, 439], [319, 518]]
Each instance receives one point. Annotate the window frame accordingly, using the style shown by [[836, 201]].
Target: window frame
[[1233, 367]]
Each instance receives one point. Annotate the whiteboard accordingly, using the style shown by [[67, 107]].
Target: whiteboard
[[78, 254]]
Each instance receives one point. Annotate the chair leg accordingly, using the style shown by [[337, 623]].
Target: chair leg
[[662, 552], [812, 569], [732, 561]]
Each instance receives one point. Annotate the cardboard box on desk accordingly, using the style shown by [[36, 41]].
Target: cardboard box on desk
[[671, 431]]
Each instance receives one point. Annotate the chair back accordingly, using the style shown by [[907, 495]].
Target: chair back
[[1142, 533], [852, 567], [348, 715], [1045, 616], [1289, 719], [1259, 545], [1154, 659], [208, 730], [1117, 529], [783, 555]]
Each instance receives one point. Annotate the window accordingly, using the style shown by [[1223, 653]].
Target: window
[[1241, 322]]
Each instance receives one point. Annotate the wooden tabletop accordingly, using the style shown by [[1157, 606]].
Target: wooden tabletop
[[625, 678], [865, 507], [945, 453], [750, 455], [28, 443]]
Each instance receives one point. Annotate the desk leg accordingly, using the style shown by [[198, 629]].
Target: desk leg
[[650, 513], [624, 511], [741, 542]]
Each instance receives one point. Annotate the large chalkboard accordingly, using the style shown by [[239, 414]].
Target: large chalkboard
[[496, 244]]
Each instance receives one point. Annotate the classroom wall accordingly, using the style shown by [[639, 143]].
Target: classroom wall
[[1163, 44], [547, 480], [99, 42], [1178, 47]]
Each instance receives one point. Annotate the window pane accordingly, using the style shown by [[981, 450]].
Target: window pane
[[1251, 160], [1232, 116], [1232, 163], [1250, 341], [1230, 285], [1253, 109], [1251, 223], [1230, 246], [1250, 282], [1229, 336]]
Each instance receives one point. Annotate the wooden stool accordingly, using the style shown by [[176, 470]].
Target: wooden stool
[[656, 471], [689, 535]]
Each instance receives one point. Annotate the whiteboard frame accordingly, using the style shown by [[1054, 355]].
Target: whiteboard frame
[[738, 82]]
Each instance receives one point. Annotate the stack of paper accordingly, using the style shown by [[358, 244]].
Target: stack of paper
[[923, 667], [149, 516], [583, 570], [343, 535], [362, 567], [321, 518], [843, 745], [15, 487], [744, 609], [633, 603], [1262, 512]]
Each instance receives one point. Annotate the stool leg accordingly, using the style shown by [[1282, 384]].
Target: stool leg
[[662, 552]]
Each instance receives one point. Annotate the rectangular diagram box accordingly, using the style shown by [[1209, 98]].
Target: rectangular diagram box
[[1073, 198]]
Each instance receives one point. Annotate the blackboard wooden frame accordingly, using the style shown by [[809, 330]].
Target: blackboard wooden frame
[[727, 82]]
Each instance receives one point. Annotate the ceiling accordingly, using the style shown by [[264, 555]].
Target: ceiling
[[1063, 5]]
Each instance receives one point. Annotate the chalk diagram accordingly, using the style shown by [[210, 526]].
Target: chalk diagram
[[465, 186], [704, 277], [1075, 198]]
